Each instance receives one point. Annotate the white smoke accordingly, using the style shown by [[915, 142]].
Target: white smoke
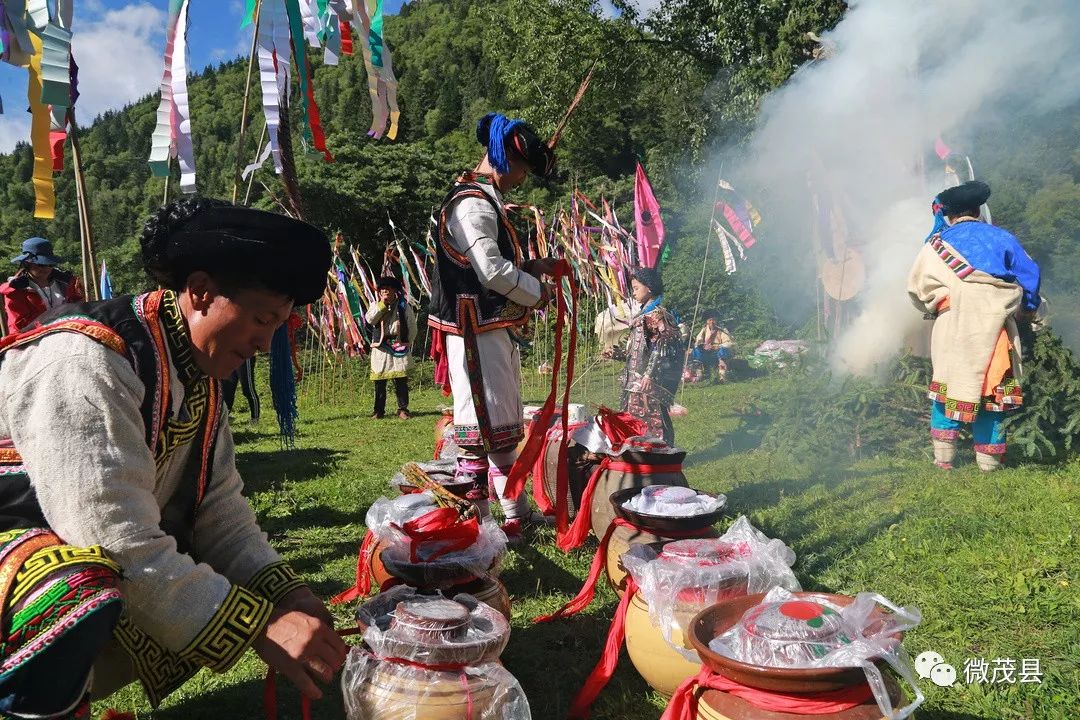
[[861, 124]]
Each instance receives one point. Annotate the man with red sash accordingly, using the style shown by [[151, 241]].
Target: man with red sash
[[127, 551], [481, 291]]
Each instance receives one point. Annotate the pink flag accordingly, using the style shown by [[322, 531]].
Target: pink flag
[[941, 148], [649, 225]]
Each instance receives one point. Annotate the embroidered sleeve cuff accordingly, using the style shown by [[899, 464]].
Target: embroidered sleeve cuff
[[275, 581], [232, 629]]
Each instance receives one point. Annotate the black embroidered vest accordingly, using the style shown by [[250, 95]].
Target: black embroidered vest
[[459, 302], [132, 327]]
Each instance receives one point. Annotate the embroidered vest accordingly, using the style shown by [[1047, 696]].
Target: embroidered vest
[[459, 302], [132, 327]]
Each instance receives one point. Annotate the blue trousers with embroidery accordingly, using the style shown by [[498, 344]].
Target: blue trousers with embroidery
[[988, 430]]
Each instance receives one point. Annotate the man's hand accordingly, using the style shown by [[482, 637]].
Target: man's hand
[[303, 600], [547, 294], [303, 648], [540, 266]]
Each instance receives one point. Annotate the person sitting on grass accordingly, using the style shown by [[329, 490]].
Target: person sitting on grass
[[127, 548], [393, 326], [713, 347]]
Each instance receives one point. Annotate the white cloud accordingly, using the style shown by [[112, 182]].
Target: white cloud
[[120, 57], [14, 127]]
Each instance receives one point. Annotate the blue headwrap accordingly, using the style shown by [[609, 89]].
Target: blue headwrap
[[939, 218], [499, 128]]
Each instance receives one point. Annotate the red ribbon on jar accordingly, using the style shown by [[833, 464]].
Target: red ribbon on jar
[[588, 590], [574, 536], [683, 704], [362, 586]]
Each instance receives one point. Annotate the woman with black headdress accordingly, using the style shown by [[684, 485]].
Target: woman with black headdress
[[393, 328], [653, 357], [975, 281], [127, 550]]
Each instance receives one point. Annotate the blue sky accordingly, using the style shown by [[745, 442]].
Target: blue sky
[[118, 45]]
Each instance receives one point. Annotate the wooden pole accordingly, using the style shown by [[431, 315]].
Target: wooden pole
[[697, 302], [86, 235], [244, 112]]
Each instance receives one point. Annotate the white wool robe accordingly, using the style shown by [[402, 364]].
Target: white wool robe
[[71, 406]]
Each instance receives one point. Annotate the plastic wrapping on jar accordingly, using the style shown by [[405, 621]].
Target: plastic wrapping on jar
[[430, 656], [429, 553], [813, 631], [673, 501], [702, 572]]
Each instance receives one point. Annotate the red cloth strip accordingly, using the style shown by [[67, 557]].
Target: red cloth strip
[[442, 366], [515, 482], [683, 705], [270, 700], [574, 536], [539, 491], [346, 38], [318, 138], [57, 138], [588, 590], [620, 426], [605, 667], [441, 526], [363, 573]]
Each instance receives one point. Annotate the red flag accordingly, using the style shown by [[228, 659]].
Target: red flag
[[649, 224]]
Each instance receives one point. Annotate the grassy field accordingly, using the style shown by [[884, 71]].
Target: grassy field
[[991, 560]]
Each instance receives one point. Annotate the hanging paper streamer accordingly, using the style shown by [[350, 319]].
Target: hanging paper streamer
[[18, 47], [259, 162], [181, 118], [172, 134], [38, 13], [56, 66], [161, 144], [649, 224], [275, 57], [382, 84], [40, 124], [310, 128], [725, 246]]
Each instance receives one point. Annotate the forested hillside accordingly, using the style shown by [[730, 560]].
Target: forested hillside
[[669, 90]]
